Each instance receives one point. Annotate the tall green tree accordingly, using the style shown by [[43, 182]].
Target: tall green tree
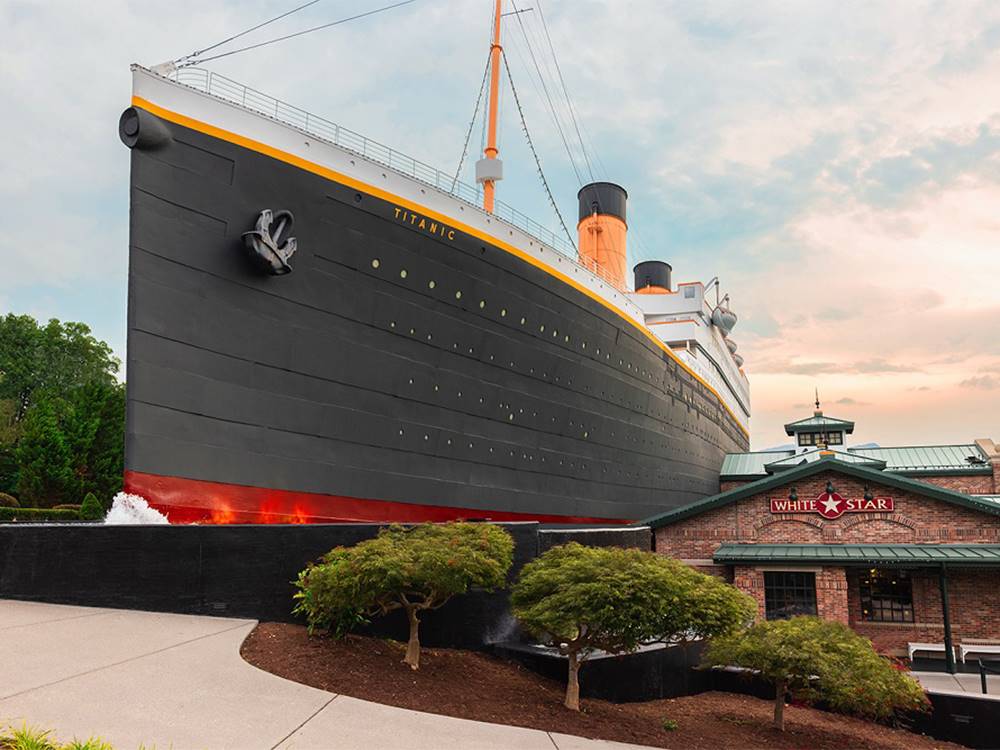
[[815, 659], [56, 357], [71, 376], [44, 457], [415, 570], [584, 599]]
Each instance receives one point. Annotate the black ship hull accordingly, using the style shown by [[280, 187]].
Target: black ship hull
[[405, 370]]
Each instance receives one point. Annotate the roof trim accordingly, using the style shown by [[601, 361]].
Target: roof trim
[[806, 470], [861, 554]]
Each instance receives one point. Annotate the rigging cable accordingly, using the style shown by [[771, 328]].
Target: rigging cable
[[534, 153], [562, 135], [299, 33], [472, 124], [562, 81], [198, 53]]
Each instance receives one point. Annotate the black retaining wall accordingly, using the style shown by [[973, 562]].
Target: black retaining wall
[[232, 571]]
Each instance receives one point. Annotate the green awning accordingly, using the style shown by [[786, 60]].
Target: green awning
[[861, 554]]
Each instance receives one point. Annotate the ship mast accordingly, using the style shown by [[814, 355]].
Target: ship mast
[[490, 169]]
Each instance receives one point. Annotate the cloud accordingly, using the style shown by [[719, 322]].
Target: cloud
[[982, 382], [848, 401]]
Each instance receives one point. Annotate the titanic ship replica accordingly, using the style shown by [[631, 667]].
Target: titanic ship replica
[[321, 329]]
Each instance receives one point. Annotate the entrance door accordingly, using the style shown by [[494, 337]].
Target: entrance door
[[789, 593]]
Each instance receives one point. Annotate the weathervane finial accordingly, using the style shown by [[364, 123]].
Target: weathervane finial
[[817, 401]]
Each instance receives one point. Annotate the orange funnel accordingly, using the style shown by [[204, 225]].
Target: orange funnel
[[602, 229]]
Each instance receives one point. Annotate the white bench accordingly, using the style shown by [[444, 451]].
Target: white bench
[[978, 648], [912, 648]]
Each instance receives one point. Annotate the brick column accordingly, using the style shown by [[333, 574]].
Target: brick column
[[831, 594]]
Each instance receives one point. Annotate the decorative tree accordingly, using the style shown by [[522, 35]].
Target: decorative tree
[[414, 570], [817, 659], [91, 509], [582, 599]]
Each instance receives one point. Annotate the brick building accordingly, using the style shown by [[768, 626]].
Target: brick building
[[901, 544]]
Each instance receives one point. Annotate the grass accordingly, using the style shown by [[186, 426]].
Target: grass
[[32, 738]]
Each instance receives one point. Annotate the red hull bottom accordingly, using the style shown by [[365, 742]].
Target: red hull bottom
[[196, 501]]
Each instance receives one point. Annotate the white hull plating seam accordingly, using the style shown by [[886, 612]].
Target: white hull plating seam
[[255, 126]]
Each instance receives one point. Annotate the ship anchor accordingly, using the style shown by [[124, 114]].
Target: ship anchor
[[269, 245]]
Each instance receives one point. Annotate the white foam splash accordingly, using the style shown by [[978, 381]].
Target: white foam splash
[[133, 509]]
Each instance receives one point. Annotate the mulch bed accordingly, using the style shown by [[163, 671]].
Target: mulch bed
[[477, 686]]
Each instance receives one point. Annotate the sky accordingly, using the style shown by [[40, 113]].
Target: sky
[[836, 164]]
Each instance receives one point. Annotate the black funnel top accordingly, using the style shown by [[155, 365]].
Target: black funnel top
[[605, 198], [652, 273]]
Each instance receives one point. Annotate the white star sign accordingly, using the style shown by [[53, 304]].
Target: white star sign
[[831, 505]]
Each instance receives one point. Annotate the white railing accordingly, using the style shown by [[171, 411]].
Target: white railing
[[225, 88]]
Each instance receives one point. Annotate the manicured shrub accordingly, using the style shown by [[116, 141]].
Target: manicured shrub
[[8, 501], [815, 659], [91, 509], [583, 599], [413, 569], [36, 515], [67, 506]]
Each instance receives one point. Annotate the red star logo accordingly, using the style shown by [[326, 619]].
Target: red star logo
[[831, 505]]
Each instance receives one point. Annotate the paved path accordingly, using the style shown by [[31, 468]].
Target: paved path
[[961, 684], [178, 682]]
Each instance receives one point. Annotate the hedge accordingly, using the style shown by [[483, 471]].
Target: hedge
[[9, 515]]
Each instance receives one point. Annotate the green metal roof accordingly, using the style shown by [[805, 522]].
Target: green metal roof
[[748, 465], [861, 554], [911, 460], [817, 423], [825, 463], [816, 454], [930, 459]]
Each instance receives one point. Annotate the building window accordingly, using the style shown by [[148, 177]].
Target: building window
[[787, 594], [886, 596], [821, 438]]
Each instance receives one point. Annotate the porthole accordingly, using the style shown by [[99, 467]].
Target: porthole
[[402, 273], [376, 263], [567, 339], [470, 445], [586, 434], [428, 337], [436, 389], [458, 295], [427, 437], [411, 381], [523, 321], [503, 313], [510, 417], [449, 441], [412, 331], [431, 284], [460, 394], [541, 328], [555, 333], [482, 304], [400, 432], [392, 324]]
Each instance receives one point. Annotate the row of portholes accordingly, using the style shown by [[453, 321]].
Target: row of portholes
[[623, 401], [376, 263], [571, 464], [403, 274]]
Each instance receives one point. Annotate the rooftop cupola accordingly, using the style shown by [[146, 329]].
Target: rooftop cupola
[[819, 430]]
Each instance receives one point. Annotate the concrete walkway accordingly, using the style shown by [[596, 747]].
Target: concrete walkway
[[178, 682], [959, 684]]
